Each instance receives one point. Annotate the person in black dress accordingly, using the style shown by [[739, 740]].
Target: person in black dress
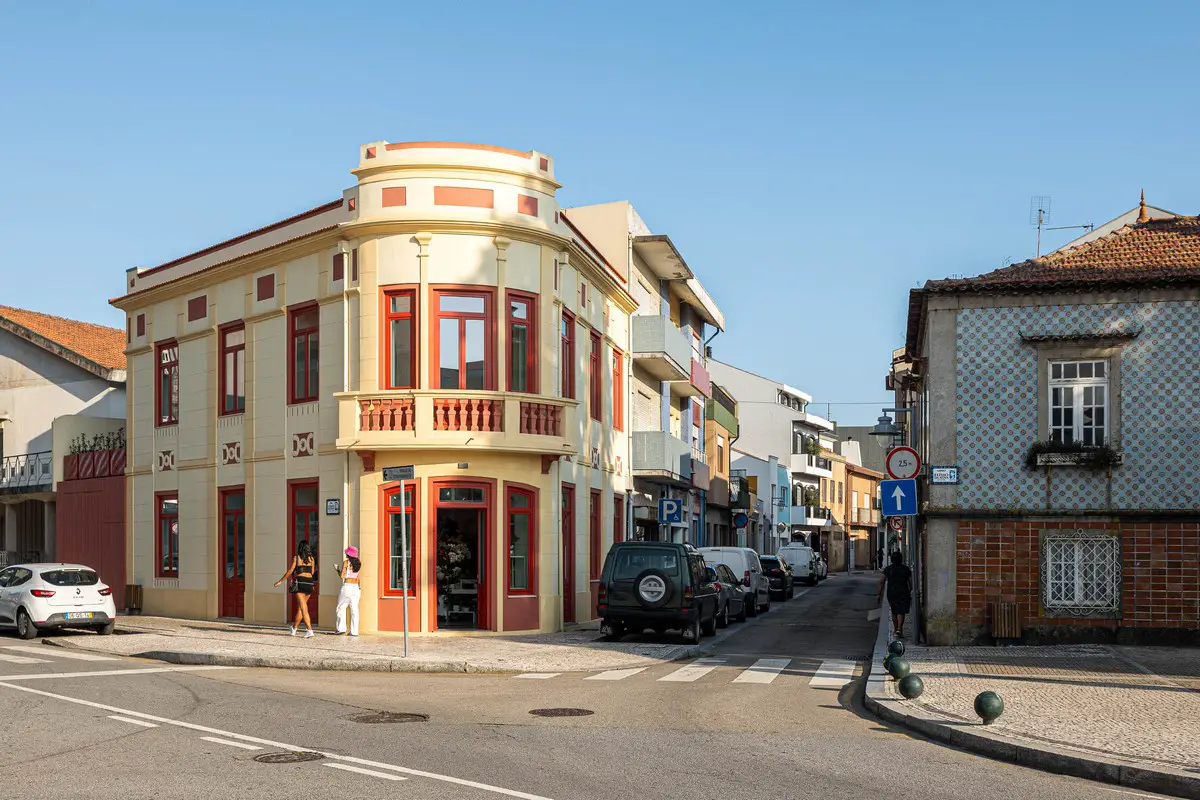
[[897, 578]]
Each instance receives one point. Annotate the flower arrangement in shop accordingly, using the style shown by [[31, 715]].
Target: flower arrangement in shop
[[452, 555]]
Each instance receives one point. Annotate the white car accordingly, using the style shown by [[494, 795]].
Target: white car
[[39, 596]]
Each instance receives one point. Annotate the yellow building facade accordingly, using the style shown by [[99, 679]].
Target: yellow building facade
[[442, 314]]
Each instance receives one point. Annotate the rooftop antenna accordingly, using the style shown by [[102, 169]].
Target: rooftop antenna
[[1039, 214]]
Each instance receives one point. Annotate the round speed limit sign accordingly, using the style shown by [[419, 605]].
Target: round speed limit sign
[[903, 463]]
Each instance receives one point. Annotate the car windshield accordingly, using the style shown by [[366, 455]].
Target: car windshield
[[631, 561], [71, 577]]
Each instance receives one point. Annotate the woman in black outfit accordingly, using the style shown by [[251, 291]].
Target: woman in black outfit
[[304, 568], [898, 580]]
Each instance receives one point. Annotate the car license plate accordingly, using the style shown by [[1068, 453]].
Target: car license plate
[[79, 615]]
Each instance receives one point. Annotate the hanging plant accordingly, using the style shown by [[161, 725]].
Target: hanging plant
[[1054, 454]]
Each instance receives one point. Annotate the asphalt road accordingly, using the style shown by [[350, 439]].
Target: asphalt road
[[774, 713]]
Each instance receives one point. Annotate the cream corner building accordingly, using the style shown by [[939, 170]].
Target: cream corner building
[[444, 314]]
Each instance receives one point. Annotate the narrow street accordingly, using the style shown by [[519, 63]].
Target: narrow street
[[774, 712]]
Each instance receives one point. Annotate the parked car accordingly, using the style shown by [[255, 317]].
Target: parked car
[[803, 560], [36, 597], [732, 594], [779, 577], [744, 563], [822, 567], [658, 585]]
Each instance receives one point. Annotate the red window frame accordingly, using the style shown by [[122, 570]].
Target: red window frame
[[531, 513], [489, 338], [388, 316], [236, 374], [161, 370], [594, 534], [310, 336], [618, 390], [596, 400], [618, 518], [530, 324], [160, 516], [567, 354], [414, 537]]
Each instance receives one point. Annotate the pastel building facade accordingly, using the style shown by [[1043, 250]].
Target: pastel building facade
[[440, 315]]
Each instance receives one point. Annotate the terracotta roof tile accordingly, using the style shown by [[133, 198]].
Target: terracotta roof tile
[[99, 344], [1161, 252]]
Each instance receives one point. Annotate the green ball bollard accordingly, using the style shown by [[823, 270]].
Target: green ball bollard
[[896, 648], [989, 706], [898, 668], [911, 686], [887, 659]]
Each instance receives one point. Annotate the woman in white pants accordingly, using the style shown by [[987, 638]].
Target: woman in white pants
[[348, 596]]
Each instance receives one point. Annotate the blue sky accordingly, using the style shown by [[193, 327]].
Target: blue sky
[[812, 161]]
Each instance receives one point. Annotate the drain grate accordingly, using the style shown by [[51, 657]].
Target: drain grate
[[561, 712], [386, 717], [288, 758]]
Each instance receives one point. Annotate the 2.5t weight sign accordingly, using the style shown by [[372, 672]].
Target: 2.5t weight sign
[[903, 463]]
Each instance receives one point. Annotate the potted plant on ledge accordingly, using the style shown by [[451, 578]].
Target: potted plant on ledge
[[1054, 453]]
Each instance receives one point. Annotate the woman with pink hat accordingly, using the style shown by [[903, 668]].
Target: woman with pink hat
[[348, 596]]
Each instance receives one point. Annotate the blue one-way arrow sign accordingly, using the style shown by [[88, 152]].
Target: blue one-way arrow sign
[[898, 498]]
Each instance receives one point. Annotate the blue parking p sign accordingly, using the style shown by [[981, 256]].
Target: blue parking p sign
[[898, 498], [670, 511]]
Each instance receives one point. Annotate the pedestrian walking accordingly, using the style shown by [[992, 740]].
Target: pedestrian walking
[[350, 593], [897, 579], [302, 574]]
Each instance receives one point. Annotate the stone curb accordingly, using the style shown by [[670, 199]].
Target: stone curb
[[356, 665], [1132, 775]]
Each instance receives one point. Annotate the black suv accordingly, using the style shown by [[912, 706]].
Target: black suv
[[779, 575], [658, 585]]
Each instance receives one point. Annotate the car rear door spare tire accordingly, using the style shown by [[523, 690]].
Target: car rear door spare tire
[[652, 588]]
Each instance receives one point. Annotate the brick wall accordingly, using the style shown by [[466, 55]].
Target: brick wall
[[999, 561]]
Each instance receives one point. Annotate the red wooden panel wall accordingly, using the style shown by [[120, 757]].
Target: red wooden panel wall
[[90, 528]]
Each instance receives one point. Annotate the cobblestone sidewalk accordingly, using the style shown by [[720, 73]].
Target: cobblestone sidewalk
[[1140, 704], [1124, 715], [204, 642]]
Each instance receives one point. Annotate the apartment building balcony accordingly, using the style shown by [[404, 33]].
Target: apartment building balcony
[[661, 348], [662, 458], [698, 383], [810, 516], [700, 472], [864, 516], [29, 473], [741, 496], [718, 492], [439, 419], [814, 466], [721, 415]]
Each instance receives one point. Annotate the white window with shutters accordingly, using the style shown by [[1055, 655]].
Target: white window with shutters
[[1081, 572]]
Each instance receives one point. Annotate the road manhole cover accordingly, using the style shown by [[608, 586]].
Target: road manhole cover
[[288, 758], [561, 712], [385, 717]]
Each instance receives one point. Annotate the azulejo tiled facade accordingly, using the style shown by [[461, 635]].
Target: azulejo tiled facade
[[996, 414], [1094, 352]]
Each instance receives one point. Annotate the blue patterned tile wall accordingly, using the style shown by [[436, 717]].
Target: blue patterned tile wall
[[1160, 407]]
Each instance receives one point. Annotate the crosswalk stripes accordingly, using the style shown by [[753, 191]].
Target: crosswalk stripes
[[615, 674], [764, 670], [694, 671], [73, 655], [833, 674], [22, 659]]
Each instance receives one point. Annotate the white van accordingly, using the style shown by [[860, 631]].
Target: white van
[[800, 557], [745, 564]]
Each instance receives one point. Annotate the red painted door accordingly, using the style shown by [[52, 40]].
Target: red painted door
[[233, 552], [304, 527], [568, 552]]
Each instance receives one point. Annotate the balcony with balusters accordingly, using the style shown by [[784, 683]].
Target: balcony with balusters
[[450, 419]]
